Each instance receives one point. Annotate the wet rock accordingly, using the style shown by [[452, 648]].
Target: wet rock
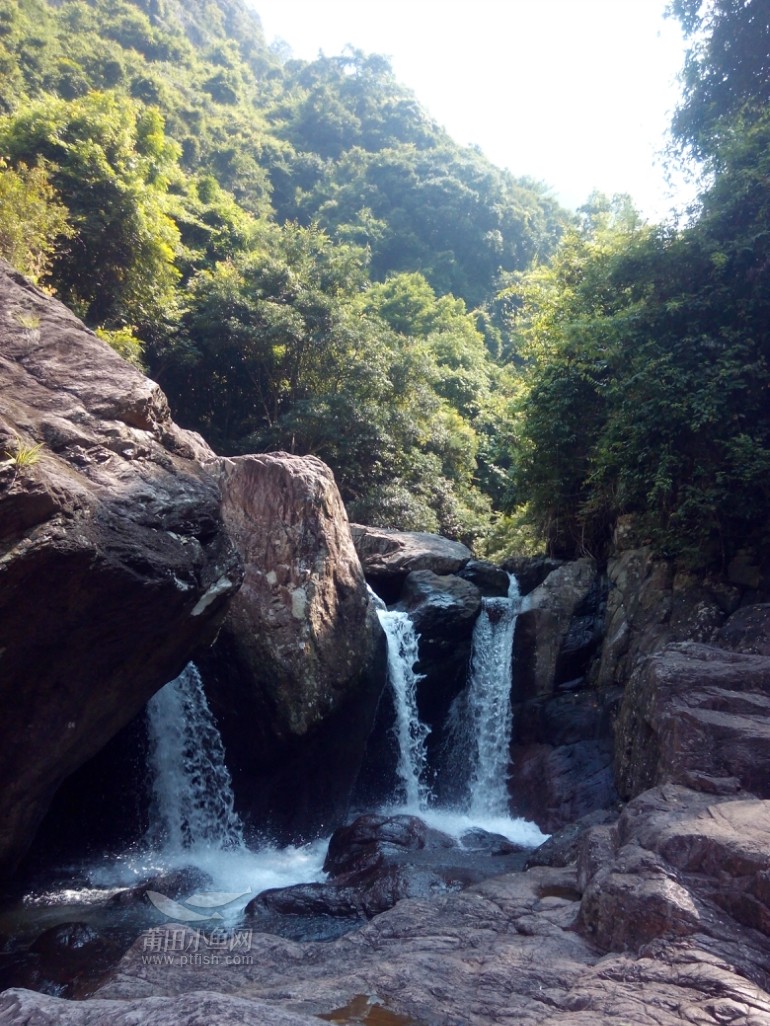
[[556, 785], [493, 844], [563, 846], [562, 737], [443, 608], [531, 571], [114, 564], [68, 960], [299, 665], [175, 884], [492, 581], [67, 937], [377, 861], [349, 844], [697, 715]]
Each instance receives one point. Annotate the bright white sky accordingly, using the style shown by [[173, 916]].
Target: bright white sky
[[577, 93]]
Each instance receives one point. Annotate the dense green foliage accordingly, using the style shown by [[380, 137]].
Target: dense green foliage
[[306, 261], [292, 248], [648, 385]]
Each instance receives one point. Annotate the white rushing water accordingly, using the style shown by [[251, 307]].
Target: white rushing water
[[192, 792], [192, 816], [411, 734], [489, 703], [481, 733]]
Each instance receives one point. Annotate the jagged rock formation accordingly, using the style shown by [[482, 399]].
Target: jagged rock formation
[[114, 565], [299, 664], [562, 741]]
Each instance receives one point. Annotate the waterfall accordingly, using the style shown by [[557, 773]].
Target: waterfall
[[480, 720], [192, 802], [488, 714], [411, 734]]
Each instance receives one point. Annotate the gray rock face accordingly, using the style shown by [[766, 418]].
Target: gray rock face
[[26, 1008], [698, 715], [682, 868], [562, 743], [114, 565], [648, 606], [385, 553], [491, 580], [299, 665]]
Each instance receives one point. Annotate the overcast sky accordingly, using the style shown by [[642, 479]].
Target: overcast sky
[[577, 93]]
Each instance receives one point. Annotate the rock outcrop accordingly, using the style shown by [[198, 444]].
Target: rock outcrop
[[299, 665], [562, 741], [698, 715], [114, 565], [387, 556]]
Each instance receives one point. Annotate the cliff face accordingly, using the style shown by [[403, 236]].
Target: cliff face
[[114, 563]]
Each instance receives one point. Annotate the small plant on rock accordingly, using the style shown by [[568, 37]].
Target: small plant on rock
[[22, 455]]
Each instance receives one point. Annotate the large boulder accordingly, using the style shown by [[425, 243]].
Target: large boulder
[[300, 662], [697, 715], [680, 866], [387, 556], [114, 564], [747, 630], [442, 607]]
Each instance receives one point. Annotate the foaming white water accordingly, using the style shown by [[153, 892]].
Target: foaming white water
[[481, 734], [192, 820], [457, 822], [192, 803], [238, 875], [411, 733], [489, 703]]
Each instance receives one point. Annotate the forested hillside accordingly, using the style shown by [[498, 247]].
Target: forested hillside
[[306, 261], [648, 385], [299, 255]]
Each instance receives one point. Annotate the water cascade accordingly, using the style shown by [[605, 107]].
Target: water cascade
[[411, 734], [487, 713], [192, 802]]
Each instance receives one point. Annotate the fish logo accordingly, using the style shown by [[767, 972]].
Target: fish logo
[[204, 900]]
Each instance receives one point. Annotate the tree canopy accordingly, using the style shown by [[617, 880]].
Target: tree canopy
[[305, 260]]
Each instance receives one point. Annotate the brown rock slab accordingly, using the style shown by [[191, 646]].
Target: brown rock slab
[[114, 564]]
